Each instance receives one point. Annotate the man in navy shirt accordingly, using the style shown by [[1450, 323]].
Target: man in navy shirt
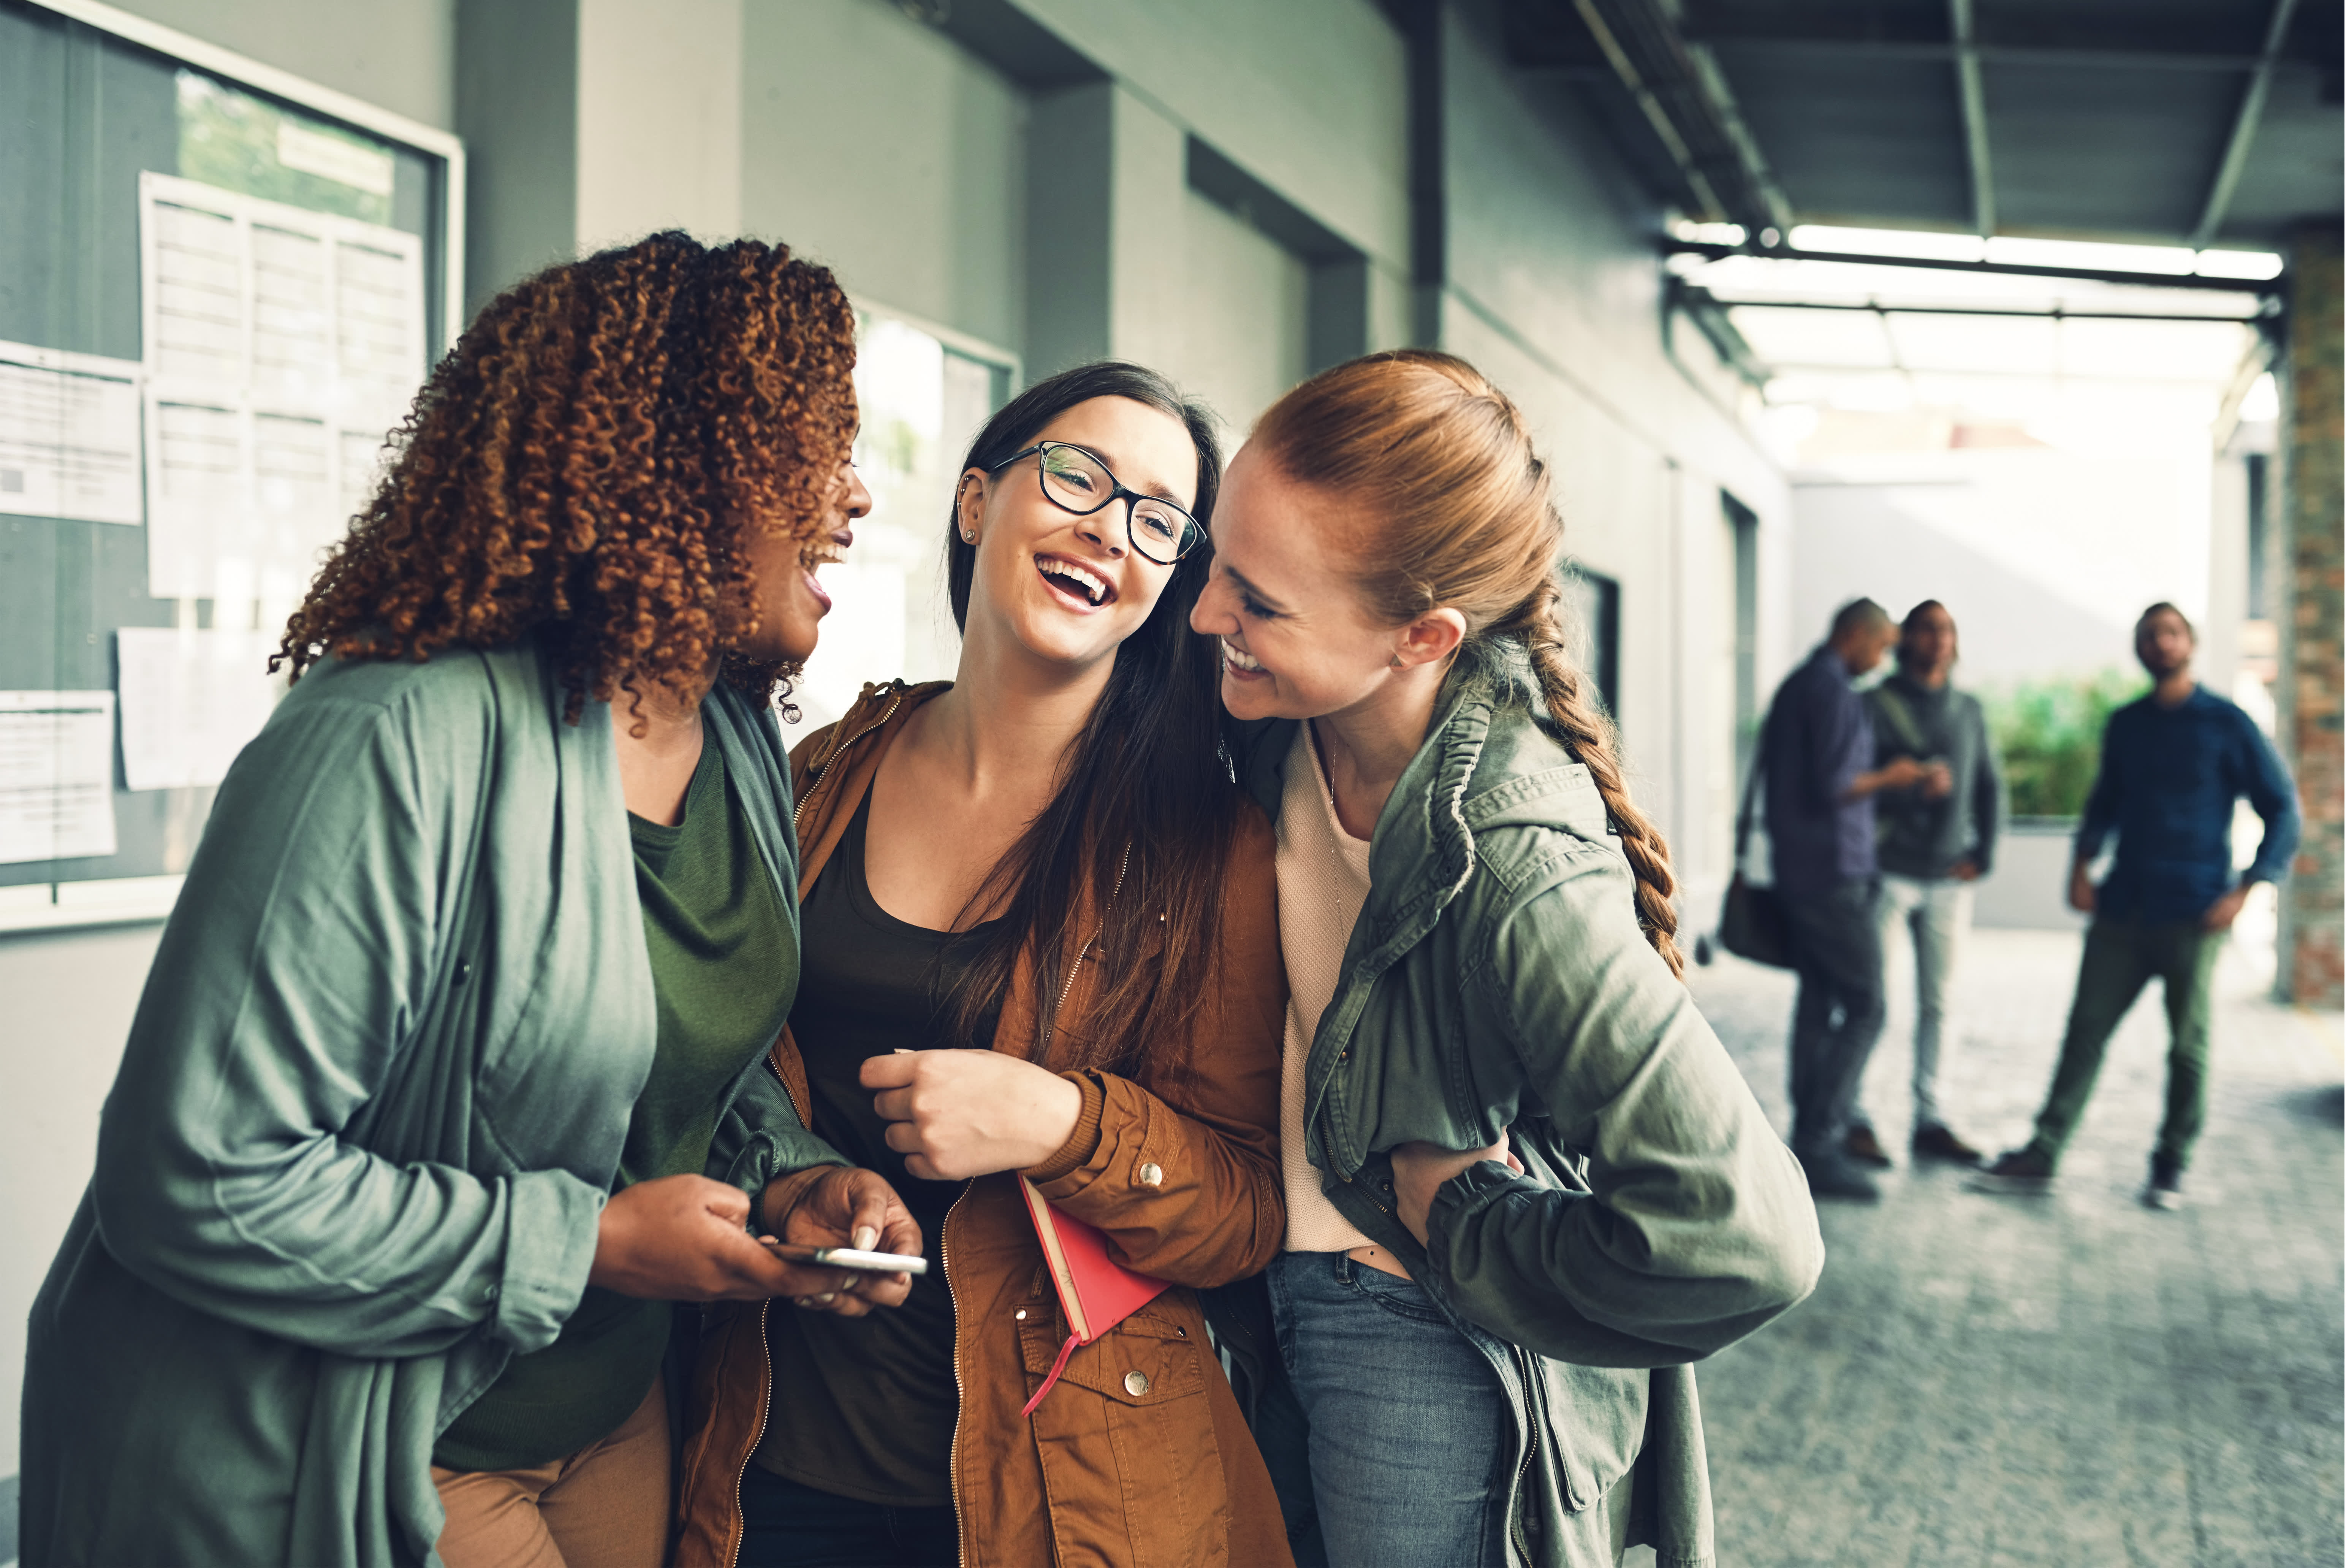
[[2172, 765], [1816, 750]]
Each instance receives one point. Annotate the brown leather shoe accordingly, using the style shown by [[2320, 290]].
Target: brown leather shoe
[[2025, 1171], [1940, 1142], [1863, 1146]]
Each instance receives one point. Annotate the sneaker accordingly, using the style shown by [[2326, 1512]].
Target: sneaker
[[2023, 1172], [1940, 1142], [1863, 1146], [1836, 1175], [2165, 1189]]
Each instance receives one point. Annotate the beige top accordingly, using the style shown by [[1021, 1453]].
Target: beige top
[[1323, 881]]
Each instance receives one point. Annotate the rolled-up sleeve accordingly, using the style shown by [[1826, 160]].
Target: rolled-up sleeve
[[1696, 1228]]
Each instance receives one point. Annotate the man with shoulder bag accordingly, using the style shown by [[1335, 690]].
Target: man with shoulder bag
[[1816, 760], [1933, 842]]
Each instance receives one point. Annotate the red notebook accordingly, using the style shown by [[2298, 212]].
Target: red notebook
[[1096, 1291]]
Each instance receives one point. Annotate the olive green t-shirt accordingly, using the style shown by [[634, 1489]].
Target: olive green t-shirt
[[725, 970]]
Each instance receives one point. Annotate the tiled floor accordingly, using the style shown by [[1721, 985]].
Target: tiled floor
[[2070, 1380]]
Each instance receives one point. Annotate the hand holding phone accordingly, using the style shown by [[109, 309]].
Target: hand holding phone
[[849, 1258], [853, 1211]]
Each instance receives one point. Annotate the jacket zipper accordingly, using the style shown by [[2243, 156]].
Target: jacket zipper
[[945, 1260], [819, 773], [1532, 1430], [1068, 989], [765, 1408], [961, 1400]]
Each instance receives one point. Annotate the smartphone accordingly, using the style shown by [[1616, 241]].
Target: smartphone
[[851, 1258]]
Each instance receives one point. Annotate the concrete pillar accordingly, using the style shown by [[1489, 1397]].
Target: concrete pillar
[[2312, 969], [594, 122], [1107, 192], [518, 110], [658, 119]]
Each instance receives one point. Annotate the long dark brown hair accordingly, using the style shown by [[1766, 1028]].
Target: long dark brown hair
[[1459, 511], [1145, 809], [590, 463]]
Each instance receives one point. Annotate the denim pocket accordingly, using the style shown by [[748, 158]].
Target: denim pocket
[[1402, 1298]]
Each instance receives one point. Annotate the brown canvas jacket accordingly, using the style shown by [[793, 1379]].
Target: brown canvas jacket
[[1139, 1457]]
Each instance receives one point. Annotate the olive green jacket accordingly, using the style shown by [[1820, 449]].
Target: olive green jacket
[[371, 1106], [1498, 980]]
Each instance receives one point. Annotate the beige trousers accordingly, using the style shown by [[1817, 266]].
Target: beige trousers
[[606, 1506]]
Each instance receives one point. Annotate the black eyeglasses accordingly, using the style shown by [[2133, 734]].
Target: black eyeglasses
[[1075, 481]]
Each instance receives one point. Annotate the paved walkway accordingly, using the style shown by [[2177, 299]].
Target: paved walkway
[[2072, 1380]]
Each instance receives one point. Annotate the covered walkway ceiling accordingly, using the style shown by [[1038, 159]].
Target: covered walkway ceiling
[[2027, 208], [2175, 122]]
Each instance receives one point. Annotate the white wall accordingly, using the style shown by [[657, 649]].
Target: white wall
[[886, 150], [660, 119], [393, 54], [1309, 96], [1243, 303], [2044, 557], [70, 998], [1554, 291]]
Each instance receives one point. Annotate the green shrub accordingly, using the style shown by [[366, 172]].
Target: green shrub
[[2049, 734]]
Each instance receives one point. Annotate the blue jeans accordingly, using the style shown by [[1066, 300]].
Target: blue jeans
[[786, 1525], [1413, 1438]]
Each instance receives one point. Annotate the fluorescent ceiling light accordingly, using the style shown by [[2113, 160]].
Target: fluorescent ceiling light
[[1709, 233], [1917, 243], [2175, 258], [2257, 264]]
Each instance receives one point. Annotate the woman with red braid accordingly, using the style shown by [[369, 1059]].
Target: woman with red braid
[[1524, 1183]]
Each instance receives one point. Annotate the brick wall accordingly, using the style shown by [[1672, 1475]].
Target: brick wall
[[2313, 661]]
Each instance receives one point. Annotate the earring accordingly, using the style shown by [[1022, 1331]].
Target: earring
[[967, 538], [1396, 661]]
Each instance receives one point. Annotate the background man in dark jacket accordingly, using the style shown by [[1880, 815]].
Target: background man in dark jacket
[[1933, 842], [1818, 753], [2173, 764]]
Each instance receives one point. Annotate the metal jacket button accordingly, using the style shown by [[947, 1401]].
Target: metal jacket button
[[1136, 1383], [1150, 1175]]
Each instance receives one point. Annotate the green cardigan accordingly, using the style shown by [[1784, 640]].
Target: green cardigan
[[372, 1104]]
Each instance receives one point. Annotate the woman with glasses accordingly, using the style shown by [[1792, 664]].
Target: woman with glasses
[[1524, 1183], [1040, 944]]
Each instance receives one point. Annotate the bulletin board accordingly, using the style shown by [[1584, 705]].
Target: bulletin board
[[219, 288]]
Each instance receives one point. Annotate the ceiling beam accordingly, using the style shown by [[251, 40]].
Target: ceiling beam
[[1685, 99], [2211, 28], [2262, 289], [2049, 313], [1673, 141], [1973, 99], [2244, 128], [2110, 59]]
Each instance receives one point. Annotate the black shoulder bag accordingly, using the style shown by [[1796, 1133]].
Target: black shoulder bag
[[1751, 921]]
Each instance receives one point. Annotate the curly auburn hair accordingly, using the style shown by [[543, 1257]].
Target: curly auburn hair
[[588, 465]]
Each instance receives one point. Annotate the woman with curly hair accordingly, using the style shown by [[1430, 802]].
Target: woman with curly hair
[[447, 1080]]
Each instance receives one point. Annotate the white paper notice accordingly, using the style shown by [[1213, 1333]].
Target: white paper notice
[[56, 775], [68, 436], [190, 701], [282, 345]]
